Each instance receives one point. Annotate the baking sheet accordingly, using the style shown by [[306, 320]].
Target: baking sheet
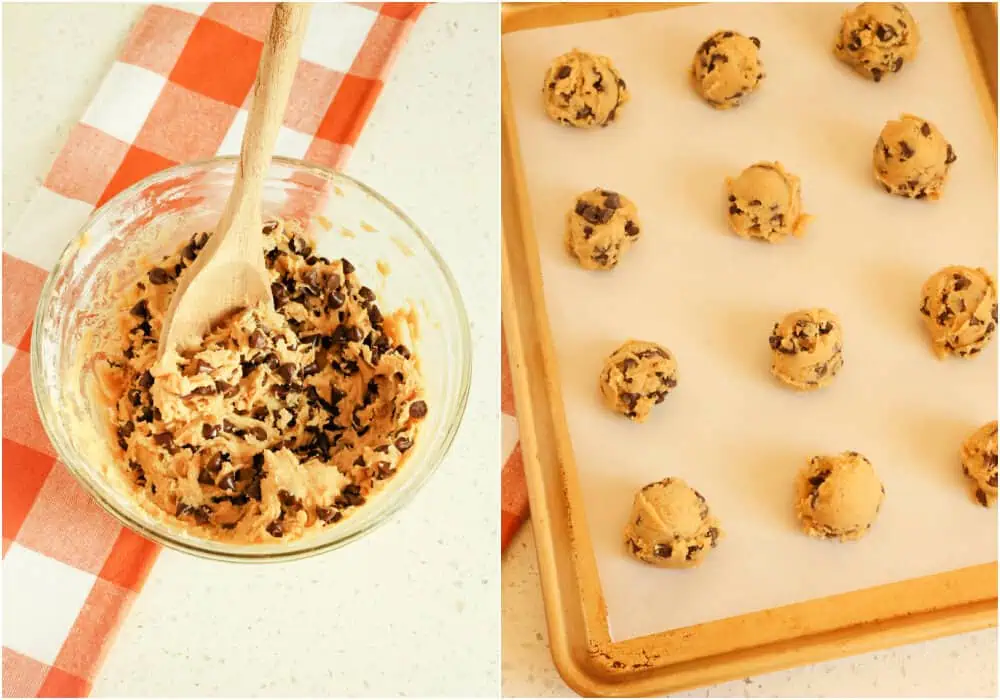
[[729, 429]]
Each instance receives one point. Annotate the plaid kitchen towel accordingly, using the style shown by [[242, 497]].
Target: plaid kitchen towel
[[513, 490], [177, 93]]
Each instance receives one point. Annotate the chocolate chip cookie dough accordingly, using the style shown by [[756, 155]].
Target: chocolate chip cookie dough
[[765, 203], [912, 158], [839, 496], [671, 525], [877, 39], [959, 307], [602, 225], [979, 463], [283, 420], [636, 377], [583, 90], [807, 349], [726, 68]]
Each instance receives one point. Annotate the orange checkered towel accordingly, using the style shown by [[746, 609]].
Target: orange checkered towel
[[513, 489], [177, 93]]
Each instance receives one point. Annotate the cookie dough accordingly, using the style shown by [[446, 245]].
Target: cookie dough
[[877, 39], [912, 159], [583, 90], [636, 377], [765, 203], [838, 497], [979, 463], [807, 349], [727, 68], [671, 525], [602, 225], [283, 421], [959, 307]]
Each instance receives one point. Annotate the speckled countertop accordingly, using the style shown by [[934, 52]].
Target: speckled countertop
[[961, 666], [411, 609]]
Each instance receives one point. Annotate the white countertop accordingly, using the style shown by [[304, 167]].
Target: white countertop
[[411, 609], [964, 665]]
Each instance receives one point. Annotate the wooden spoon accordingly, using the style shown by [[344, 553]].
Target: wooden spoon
[[229, 273]]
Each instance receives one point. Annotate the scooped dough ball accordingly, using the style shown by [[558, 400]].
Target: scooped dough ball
[[602, 225], [807, 348], [877, 38], [959, 307], [979, 463], [671, 525], [636, 377], [583, 89], [839, 497], [765, 203], [912, 158], [726, 68]]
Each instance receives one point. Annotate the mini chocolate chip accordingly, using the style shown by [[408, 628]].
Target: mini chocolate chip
[[141, 309], [159, 276], [165, 440]]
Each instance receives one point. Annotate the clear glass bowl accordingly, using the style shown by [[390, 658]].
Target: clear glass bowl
[[152, 218]]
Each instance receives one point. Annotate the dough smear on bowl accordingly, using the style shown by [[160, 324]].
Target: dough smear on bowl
[[283, 421]]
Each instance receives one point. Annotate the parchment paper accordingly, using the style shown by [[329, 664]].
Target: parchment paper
[[729, 429]]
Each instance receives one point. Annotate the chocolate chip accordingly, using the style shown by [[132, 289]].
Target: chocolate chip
[[259, 433], [663, 551], [756, 41], [375, 316], [905, 152], [925, 129], [274, 529], [287, 371], [182, 509], [403, 443], [418, 409], [613, 201], [258, 340], [735, 210], [325, 514], [692, 550], [631, 229], [563, 72], [204, 477], [818, 479], [950, 157], [584, 112], [876, 73], [141, 309], [348, 267], [165, 440], [159, 276], [885, 32], [269, 227], [209, 431], [981, 497]]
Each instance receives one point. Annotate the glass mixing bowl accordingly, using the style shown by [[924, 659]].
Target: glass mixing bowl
[[151, 219]]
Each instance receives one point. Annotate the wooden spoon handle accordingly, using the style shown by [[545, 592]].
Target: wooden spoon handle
[[270, 95]]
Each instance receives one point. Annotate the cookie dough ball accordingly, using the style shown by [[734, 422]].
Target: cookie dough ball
[[602, 226], [765, 203], [979, 463], [671, 525], [636, 377], [807, 348], [727, 68], [912, 158], [583, 89], [877, 38], [838, 497], [959, 307]]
